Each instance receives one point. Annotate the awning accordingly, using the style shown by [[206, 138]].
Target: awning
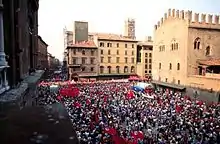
[[169, 85], [209, 62]]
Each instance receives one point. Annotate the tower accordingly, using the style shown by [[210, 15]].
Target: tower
[[130, 28]]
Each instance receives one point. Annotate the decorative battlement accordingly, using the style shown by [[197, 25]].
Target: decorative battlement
[[197, 19]]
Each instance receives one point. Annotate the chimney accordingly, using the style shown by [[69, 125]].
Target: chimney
[[155, 27], [210, 19], [158, 24], [190, 15]]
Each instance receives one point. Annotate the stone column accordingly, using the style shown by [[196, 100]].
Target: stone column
[[3, 62]]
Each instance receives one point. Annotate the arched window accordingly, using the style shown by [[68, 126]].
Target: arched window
[[125, 69], [208, 51], [118, 69], [101, 69], [159, 65], [132, 69], [176, 46], [197, 43], [170, 66], [178, 66], [109, 69]]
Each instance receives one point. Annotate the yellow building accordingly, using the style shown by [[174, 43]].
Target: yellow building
[[183, 49], [116, 54], [144, 58]]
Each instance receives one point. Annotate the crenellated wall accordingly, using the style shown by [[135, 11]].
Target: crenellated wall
[[194, 19]]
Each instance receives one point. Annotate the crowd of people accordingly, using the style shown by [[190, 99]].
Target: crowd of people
[[104, 112]]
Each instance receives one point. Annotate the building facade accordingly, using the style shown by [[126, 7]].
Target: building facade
[[117, 55], [186, 51], [82, 60], [129, 29], [144, 58], [42, 60], [20, 19], [53, 62]]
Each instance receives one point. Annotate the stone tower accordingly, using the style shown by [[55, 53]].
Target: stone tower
[[130, 28]]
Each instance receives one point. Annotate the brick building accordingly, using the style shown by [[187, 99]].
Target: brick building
[[20, 19], [42, 60], [186, 52]]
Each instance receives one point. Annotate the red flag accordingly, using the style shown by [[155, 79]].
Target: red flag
[[118, 140], [178, 108], [110, 131]]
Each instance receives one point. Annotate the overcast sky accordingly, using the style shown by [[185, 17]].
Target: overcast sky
[[108, 16]]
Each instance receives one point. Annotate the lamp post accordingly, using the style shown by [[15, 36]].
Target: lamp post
[[3, 63]]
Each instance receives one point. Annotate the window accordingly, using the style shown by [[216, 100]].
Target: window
[[176, 46], [126, 52], [117, 44], [162, 48], [74, 51], [146, 60], [150, 71], [150, 55], [109, 44], [150, 66], [101, 44], [208, 51], [126, 45], [178, 81], [117, 52], [102, 59], [132, 69], [83, 60], [126, 60], [117, 69], [166, 79], [101, 69], [109, 69], [74, 60], [178, 66], [146, 54], [117, 59], [170, 67], [109, 59], [109, 52], [83, 52], [132, 60], [125, 69], [101, 52], [150, 60], [92, 52], [132, 52], [132, 45], [146, 66], [197, 43], [159, 65], [145, 71], [92, 69], [92, 60], [83, 68]]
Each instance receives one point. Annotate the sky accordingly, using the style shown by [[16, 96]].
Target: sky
[[109, 16]]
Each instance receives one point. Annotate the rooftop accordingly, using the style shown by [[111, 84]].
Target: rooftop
[[110, 36], [210, 62], [84, 44]]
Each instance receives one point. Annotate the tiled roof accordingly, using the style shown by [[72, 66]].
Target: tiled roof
[[110, 36], [84, 44], [210, 62]]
